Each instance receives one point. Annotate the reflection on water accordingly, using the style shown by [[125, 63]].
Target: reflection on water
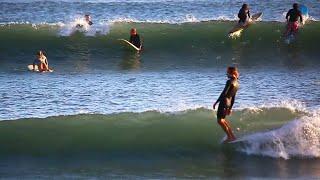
[[80, 58], [130, 61]]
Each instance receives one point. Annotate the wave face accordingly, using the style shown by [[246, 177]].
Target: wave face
[[188, 132], [206, 42]]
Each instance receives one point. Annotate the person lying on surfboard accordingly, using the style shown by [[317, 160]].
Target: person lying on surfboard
[[226, 101], [87, 19], [135, 38], [41, 61], [244, 15], [292, 17]]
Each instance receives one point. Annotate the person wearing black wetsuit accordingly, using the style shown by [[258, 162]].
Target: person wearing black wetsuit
[[135, 38], [244, 14], [292, 17], [226, 101]]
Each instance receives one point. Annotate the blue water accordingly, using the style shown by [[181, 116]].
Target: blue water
[[143, 11], [109, 113]]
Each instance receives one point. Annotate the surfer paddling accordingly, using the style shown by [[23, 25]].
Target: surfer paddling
[[244, 15], [135, 38], [292, 17], [41, 61], [226, 101]]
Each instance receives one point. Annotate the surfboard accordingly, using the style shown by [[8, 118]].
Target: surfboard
[[305, 13], [236, 30], [36, 69], [129, 44]]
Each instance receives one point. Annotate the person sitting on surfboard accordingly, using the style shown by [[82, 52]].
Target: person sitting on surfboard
[[292, 17], [244, 15], [226, 100], [87, 19], [135, 38], [41, 61]]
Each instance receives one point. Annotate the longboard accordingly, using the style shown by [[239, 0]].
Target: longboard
[[236, 30], [36, 68], [305, 15], [129, 44]]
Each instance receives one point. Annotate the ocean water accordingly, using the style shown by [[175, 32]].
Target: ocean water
[[109, 113]]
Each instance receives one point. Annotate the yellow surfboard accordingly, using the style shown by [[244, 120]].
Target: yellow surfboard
[[236, 30]]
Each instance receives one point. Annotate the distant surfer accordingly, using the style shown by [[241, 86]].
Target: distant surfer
[[226, 101], [292, 17], [41, 61], [135, 38], [87, 20], [244, 15]]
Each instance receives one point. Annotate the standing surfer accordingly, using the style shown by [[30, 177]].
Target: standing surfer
[[135, 38], [244, 15], [226, 101], [292, 17]]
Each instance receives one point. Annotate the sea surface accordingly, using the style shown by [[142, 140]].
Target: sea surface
[[107, 112]]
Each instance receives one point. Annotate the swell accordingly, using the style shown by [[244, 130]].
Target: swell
[[204, 40], [193, 131]]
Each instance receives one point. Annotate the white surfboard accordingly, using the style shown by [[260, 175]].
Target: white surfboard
[[129, 44], [236, 31], [36, 68]]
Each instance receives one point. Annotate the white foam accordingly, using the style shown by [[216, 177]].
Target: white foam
[[98, 28], [298, 138], [292, 104]]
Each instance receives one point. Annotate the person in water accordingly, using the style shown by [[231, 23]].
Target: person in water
[[87, 19], [226, 101], [292, 17], [244, 15], [135, 38], [41, 61]]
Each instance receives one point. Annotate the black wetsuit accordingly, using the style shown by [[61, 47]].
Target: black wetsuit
[[242, 15], [135, 40], [227, 97], [294, 15]]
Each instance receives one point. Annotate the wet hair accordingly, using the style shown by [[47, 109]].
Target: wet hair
[[233, 71], [87, 15], [39, 53], [133, 30], [244, 6], [295, 5]]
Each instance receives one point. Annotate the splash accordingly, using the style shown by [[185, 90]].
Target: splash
[[298, 138], [80, 25]]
